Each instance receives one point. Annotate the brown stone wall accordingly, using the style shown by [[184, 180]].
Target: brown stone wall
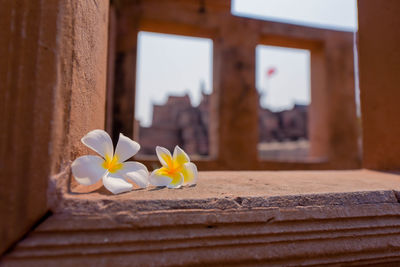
[[88, 56], [24, 116], [340, 100], [379, 53], [52, 80]]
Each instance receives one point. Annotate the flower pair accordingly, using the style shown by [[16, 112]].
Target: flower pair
[[118, 174]]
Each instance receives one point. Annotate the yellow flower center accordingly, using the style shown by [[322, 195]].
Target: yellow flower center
[[112, 164], [174, 167]]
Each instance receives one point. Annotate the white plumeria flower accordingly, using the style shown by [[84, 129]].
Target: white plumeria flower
[[115, 173], [177, 170]]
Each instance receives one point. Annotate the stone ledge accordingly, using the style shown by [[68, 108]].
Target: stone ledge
[[101, 206], [365, 233], [246, 190], [357, 222]]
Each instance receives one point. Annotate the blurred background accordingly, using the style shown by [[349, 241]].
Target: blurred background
[[174, 81]]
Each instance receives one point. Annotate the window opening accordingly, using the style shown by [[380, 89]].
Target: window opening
[[173, 86], [283, 83]]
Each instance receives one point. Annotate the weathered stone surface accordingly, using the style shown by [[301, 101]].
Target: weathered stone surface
[[295, 222], [226, 190], [265, 183], [229, 218], [379, 48], [52, 80], [24, 92]]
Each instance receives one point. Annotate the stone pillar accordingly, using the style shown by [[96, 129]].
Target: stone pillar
[[340, 99], [379, 57], [125, 71], [124, 94], [112, 42], [52, 80], [333, 122], [235, 96], [24, 116], [318, 126]]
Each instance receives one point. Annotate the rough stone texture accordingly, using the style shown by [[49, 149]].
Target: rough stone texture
[[223, 184], [247, 238], [233, 132], [224, 188], [52, 80], [22, 68], [379, 52], [264, 218], [229, 218]]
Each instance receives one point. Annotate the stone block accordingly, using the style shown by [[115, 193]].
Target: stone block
[[229, 218], [379, 52]]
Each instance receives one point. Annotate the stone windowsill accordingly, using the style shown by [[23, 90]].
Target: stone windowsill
[[247, 218], [250, 189]]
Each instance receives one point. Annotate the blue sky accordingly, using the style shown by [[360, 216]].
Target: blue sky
[[175, 65]]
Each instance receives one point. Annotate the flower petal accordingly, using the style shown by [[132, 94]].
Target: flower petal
[[164, 156], [99, 141], [158, 178], [189, 173], [177, 180], [180, 156], [136, 172], [126, 148], [87, 170], [116, 184]]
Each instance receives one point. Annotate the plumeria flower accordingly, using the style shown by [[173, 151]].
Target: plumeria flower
[[111, 167], [176, 170]]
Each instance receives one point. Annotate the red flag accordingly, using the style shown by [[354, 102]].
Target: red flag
[[271, 71]]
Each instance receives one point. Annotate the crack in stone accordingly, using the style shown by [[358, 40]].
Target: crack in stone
[[238, 200], [397, 195]]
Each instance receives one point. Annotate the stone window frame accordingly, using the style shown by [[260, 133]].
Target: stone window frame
[[333, 121], [63, 42]]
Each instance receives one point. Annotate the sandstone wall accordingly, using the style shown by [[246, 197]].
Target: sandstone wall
[[379, 46], [52, 80]]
